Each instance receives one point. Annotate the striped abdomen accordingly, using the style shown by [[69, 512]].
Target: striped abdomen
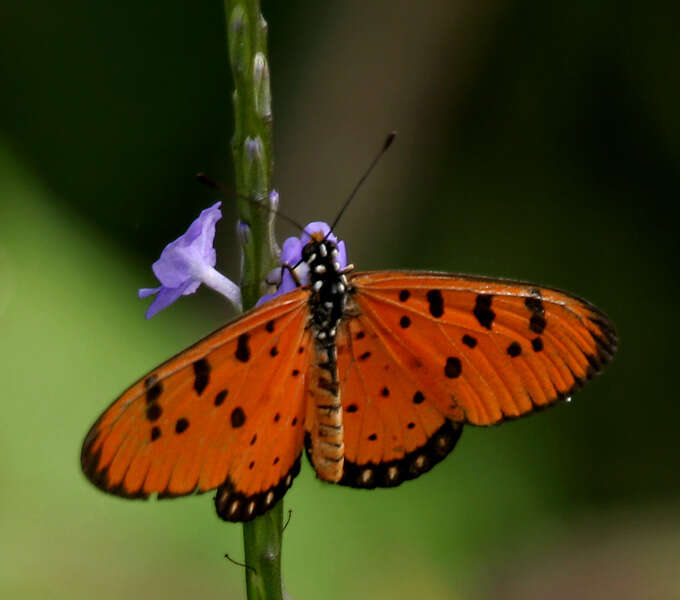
[[327, 437]]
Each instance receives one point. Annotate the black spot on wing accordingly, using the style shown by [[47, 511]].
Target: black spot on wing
[[150, 381], [453, 367], [238, 417], [469, 341], [154, 389], [482, 310], [201, 375], [436, 302], [181, 425], [514, 350], [243, 348], [534, 304], [220, 397], [153, 412], [537, 323]]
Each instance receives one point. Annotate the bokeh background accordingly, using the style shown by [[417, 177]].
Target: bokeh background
[[537, 140]]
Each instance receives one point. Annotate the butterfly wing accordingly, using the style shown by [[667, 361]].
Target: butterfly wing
[[427, 352], [226, 412], [392, 430], [488, 349]]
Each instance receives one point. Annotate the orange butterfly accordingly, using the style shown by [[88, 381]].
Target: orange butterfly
[[374, 373]]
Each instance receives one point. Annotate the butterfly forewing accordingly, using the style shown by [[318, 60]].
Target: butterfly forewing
[[201, 419], [484, 350]]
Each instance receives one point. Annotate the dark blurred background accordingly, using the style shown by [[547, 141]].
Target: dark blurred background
[[537, 140]]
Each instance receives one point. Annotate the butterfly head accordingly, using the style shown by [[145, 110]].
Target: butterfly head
[[317, 247], [322, 255]]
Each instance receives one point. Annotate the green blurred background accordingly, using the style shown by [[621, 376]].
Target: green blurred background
[[537, 140]]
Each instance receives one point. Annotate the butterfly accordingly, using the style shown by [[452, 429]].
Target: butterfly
[[373, 374]]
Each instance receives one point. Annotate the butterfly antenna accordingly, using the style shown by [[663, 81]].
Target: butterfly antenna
[[385, 146], [203, 178]]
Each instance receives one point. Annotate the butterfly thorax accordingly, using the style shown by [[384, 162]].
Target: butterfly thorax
[[329, 288], [329, 291]]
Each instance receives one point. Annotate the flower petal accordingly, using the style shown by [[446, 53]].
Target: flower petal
[[189, 261], [166, 296], [203, 243], [342, 254], [195, 246], [144, 292], [291, 253]]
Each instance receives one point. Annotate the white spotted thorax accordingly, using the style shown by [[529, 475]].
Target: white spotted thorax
[[330, 290]]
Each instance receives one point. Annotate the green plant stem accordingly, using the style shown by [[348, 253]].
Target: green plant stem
[[262, 542], [253, 165]]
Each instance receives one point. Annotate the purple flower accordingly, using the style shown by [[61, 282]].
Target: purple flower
[[187, 262], [291, 254]]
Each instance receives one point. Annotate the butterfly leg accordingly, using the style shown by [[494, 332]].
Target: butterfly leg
[[293, 274]]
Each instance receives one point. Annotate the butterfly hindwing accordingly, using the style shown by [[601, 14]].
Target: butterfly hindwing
[[201, 419], [485, 350], [266, 458], [392, 433]]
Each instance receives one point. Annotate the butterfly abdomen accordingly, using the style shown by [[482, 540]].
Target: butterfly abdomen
[[327, 444], [329, 289]]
